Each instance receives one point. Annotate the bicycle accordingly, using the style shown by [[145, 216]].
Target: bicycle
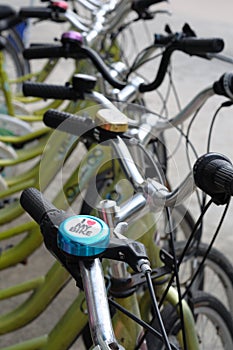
[[43, 209], [99, 28], [51, 286], [67, 91], [125, 95], [10, 211], [12, 125]]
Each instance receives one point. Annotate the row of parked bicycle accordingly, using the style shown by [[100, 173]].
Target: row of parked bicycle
[[90, 161]]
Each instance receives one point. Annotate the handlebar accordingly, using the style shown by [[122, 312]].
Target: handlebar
[[73, 48], [75, 51], [51, 220], [81, 89], [213, 173], [159, 194], [223, 87], [36, 52]]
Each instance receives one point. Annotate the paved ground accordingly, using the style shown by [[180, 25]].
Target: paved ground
[[208, 18]]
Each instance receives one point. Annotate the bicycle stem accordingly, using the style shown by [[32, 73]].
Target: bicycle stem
[[105, 18], [151, 195], [89, 5]]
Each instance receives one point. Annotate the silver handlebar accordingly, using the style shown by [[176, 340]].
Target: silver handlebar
[[151, 195]]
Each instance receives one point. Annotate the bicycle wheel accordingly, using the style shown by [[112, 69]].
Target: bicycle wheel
[[12, 62], [214, 324], [216, 275], [16, 40], [7, 152]]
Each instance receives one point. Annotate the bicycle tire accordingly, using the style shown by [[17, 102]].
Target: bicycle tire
[[14, 66], [217, 274], [18, 43], [204, 305]]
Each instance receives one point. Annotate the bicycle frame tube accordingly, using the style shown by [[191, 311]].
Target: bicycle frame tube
[[40, 76], [18, 253], [70, 191], [45, 289]]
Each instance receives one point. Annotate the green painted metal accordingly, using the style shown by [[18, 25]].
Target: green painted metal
[[69, 327], [5, 86], [42, 295], [32, 344], [21, 288]]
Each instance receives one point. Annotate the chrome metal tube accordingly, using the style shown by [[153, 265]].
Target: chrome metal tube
[[89, 5], [127, 162], [117, 13], [97, 304], [154, 198], [100, 98], [191, 107], [183, 191], [107, 18], [152, 125], [107, 211], [131, 91], [131, 207], [74, 20]]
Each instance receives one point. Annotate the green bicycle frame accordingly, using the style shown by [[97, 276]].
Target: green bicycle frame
[[40, 176], [5, 87]]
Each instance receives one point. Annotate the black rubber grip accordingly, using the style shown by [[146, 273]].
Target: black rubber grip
[[196, 46], [35, 12], [34, 203], [48, 91], [44, 51], [213, 173], [224, 86], [72, 124]]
